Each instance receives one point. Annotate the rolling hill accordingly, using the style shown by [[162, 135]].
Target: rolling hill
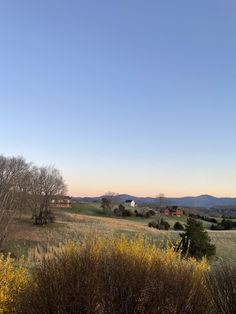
[[206, 201]]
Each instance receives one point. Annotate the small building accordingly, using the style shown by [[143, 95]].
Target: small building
[[178, 212], [130, 203], [172, 211], [64, 202], [165, 211]]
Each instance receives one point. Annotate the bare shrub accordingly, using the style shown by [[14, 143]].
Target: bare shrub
[[64, 282], [175, 290], [115, 276], [122, 282], [221, 282]]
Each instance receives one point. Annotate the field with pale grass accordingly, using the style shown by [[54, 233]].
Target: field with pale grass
[[85, 219]]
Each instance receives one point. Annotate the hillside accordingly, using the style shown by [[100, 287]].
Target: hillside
[[206, 201], [85, 219]]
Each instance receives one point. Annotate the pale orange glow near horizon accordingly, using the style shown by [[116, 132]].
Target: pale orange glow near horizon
[[93, 192], [144, 183]]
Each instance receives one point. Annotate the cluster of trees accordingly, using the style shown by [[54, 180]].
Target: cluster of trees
[[229, 217], [144, 213], [195, 241], [25, 186], [159, 223], [108, 203], [121, 211], [225, 224], [206, 218], [226, 211]]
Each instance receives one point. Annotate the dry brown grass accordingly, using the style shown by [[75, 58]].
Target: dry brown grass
[[73, 226], [221, 284], [22, 234]]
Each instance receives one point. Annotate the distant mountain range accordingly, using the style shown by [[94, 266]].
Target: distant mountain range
[[206, 201]]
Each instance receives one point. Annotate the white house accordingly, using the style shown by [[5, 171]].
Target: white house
[[130, 203]]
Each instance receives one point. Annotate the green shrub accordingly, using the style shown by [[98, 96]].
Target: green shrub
[[121, 211], [144, 212], [217, 227], [127, 213], [162, 225], [153, 224], [178, 226], [149, 213]]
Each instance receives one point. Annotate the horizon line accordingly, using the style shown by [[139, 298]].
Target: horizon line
[[165, 196]]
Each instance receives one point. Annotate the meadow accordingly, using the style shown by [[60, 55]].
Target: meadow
[[135, 269], [85, 219]]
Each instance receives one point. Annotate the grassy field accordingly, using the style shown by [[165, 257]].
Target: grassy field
[[85, 219]]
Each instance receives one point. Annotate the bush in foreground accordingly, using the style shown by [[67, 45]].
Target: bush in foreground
[[115, 275], [13, 281], [103, 276], [221, 283]]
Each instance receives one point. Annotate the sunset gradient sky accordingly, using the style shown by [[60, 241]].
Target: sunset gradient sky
[[129, 96]]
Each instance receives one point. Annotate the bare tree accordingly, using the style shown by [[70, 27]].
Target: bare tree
[[22, 186], [13, 175], [46, 184], [108, 202], [162, 200]]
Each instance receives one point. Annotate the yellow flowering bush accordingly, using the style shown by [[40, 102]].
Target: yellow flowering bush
[[13, 281], [115, 275]]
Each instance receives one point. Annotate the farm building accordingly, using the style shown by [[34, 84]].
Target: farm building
[[172, 211], [64, 202], [130, 203]]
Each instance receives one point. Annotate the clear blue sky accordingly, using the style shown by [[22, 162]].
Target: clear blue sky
[[130, 96]]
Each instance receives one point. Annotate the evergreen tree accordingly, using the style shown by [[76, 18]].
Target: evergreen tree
[[178, 226], [196, 241]]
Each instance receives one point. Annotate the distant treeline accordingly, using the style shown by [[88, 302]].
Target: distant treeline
[[224, 211], [206, 218], [225, 224]]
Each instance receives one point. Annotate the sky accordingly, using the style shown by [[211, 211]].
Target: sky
[[130, 96]]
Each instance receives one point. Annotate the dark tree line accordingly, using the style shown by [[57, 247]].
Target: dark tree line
[[225, 224]]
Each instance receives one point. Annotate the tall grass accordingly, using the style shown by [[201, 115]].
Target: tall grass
[[221, 282]]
